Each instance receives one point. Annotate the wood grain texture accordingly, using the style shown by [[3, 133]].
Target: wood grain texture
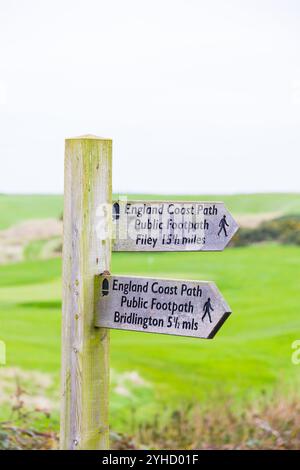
[[85, 349]]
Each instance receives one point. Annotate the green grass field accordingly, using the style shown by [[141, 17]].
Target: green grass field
[[249, 358], [17, 208]]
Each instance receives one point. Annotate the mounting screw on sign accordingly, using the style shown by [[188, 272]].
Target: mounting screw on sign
[[151, 305], [116, 211], [105, 287]]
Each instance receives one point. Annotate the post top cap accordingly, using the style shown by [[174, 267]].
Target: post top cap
[[87, 136]]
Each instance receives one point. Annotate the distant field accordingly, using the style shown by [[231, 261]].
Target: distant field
[[151, 374], [16, 208]]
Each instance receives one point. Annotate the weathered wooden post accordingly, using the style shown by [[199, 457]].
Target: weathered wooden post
[[85, 349]]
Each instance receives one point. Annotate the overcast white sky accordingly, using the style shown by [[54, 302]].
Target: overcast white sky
[[198, 96]]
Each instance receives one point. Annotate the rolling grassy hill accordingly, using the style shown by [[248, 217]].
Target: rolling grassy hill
[[17, 208], [250, 357]]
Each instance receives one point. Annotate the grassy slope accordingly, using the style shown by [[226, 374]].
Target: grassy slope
[[16, 208], [251, 353]]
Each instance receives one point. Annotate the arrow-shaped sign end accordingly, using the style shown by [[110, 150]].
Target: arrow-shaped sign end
[[234, 228], [220, 323]]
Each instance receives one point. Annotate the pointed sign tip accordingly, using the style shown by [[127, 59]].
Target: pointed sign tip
[[217, 327]]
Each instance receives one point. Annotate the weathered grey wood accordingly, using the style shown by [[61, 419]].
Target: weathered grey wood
[[171, 226], [85, 349], [168, 306]]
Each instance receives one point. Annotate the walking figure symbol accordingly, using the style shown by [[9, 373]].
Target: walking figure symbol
[[207, 308], [223, 224]]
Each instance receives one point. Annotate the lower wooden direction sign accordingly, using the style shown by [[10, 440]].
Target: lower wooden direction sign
[[169, 306]]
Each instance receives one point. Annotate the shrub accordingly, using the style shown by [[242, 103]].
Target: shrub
[[285, 230]]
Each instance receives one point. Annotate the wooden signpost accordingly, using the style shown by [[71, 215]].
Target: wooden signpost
[[86, 253], [95, 301]]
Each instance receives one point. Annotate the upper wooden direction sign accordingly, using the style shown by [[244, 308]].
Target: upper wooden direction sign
[[171, 226]]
